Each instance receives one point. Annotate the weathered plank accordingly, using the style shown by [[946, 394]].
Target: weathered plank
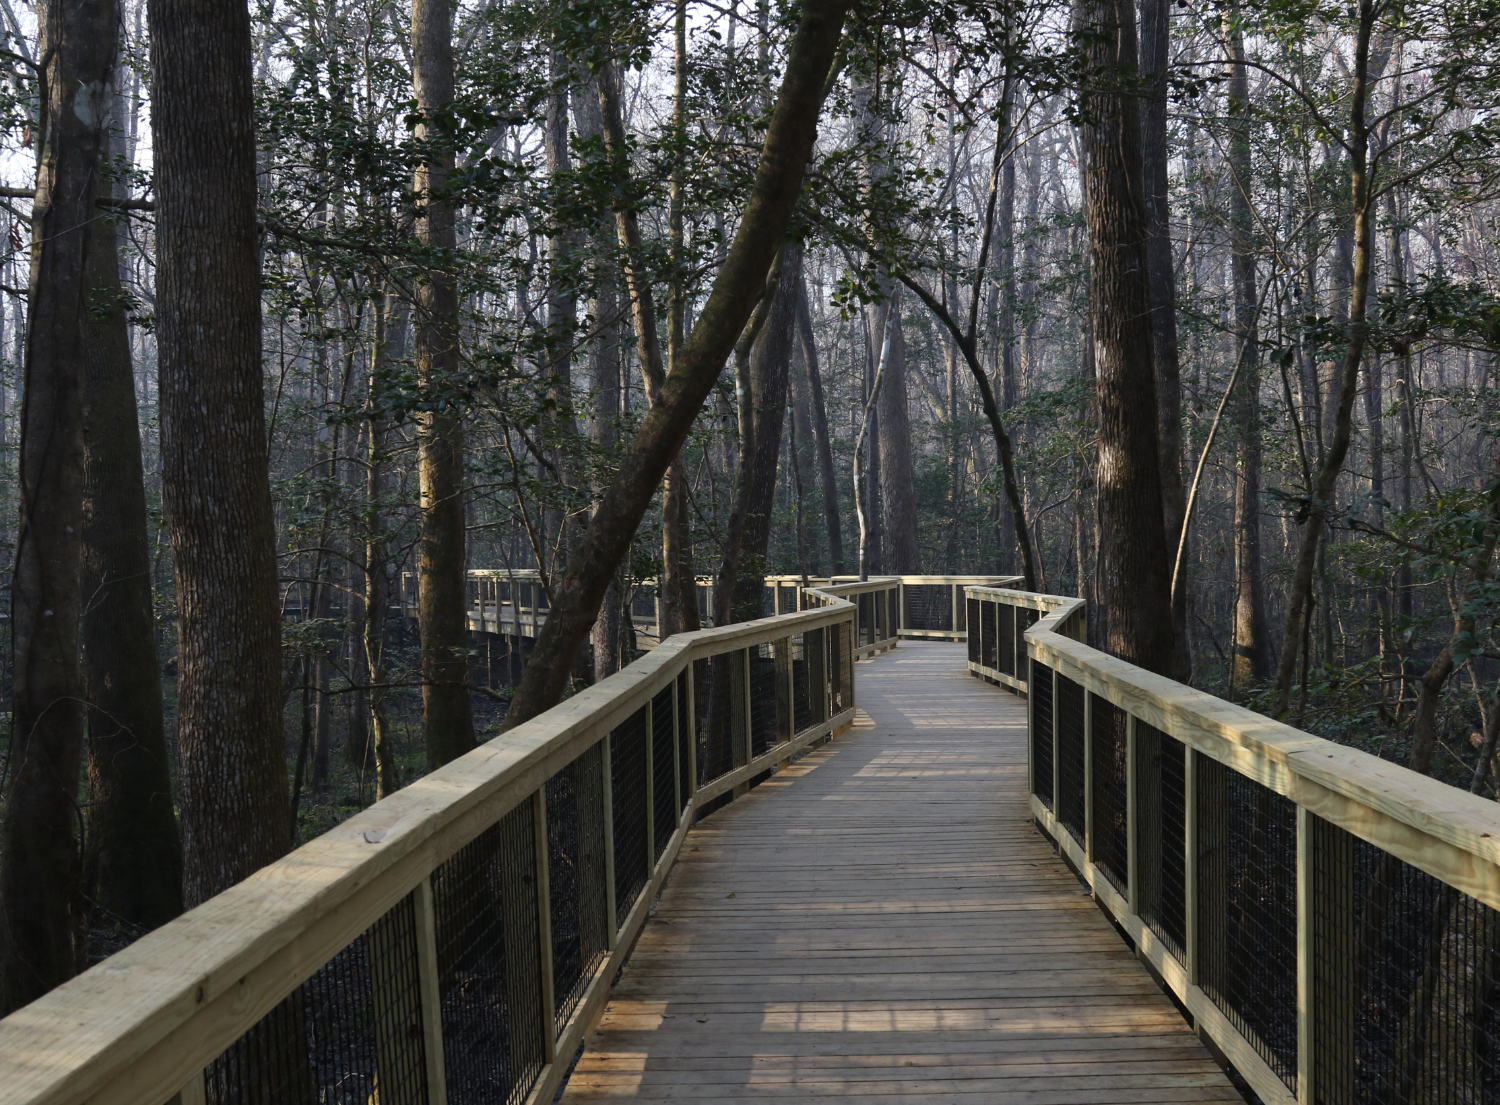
[[882, 923]]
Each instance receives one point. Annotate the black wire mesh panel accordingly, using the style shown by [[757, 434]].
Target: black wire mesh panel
[[1025, 619], [489, 963], [1068, 703], [684, 743], [1040, 690], [838, 651], [1405, 974], [1247, 910], [627, 773], [763, 729], [1111, 852], [987, 618], [349, 1033], [802, 712], [972, 611], [960, 609], [866, 621], [663, 770], [718, 722], [576, 877], [1005, 638], [1160, 826]]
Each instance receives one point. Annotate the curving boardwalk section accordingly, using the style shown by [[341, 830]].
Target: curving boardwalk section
[[882, 923]]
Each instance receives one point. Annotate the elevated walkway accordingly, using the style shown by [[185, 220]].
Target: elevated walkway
[[882, 921], [747, 867]]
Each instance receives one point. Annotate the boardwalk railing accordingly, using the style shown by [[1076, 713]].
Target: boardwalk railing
[[454, 941], [1328, 919]]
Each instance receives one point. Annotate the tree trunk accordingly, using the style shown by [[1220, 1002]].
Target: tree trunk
[[133, 861], [1299, 591], [377, 565], [1251, 660], [819, 413], [215, 473], [447, 714], [897, 483], [41, 909], [769, 372], [1155, 58], [1134, 565], [737, 288]]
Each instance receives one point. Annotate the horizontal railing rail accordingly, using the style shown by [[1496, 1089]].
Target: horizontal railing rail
[[923, 606], [1330, 920], [458, 938]]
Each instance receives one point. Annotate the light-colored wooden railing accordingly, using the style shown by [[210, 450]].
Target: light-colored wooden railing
[[922, 606], [464, 931], [1327, 918]]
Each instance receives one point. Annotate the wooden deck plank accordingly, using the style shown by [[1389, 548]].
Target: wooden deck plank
[[882, 924]]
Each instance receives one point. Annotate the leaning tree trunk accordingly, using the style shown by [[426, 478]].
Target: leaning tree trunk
[[736, 290], [447, 714], [215, 470], [1134, 565], [133, 859], [41, 909]]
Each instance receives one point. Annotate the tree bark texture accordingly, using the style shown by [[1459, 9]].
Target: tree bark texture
[[133, 857], [737, 288], [903, 554], [819, 419], [770, 370], [447, 714], [1155, 58], [215, 481], [1134, 567], [41, 910]]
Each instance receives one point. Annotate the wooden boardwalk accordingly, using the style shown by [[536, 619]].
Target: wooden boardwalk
[[882, 923]]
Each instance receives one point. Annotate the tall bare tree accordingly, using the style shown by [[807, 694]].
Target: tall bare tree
[[447, 715], [1133, 563], [215, 478], [41, 908]]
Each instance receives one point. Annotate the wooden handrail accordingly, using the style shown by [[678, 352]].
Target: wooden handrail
[[1445, 832], [142, 1025]]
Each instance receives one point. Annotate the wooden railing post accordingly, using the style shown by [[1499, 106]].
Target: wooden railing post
[[1088, 774], [1132, 816], [1056, 780], [692, 733], [1190, 860], [609, 840], [1305, 1056], [429, 994], [650, 787], [544, 926]]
